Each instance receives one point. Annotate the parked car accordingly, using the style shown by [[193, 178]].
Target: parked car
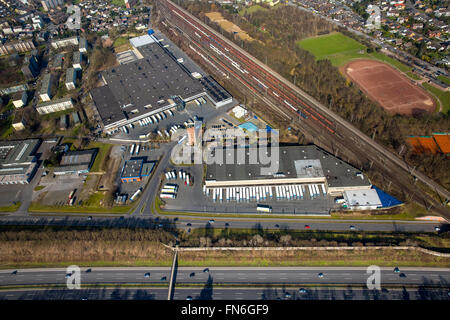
[[147, 275]]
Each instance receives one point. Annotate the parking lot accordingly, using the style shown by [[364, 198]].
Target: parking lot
[[206, 112]]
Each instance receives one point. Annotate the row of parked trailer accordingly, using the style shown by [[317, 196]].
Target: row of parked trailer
[[153, 119], [258, 193], [169, 191], [182, 175]]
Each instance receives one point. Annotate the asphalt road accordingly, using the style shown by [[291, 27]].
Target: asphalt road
[[426, 277], [187, 222], [313, 293]]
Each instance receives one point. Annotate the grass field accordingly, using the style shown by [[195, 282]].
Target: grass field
[[251, 9], [11, 208], [443, 96], [444, 79], [413, 75], [340, 49], [120, 42]]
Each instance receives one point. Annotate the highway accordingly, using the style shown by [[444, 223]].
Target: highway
[[314, 293], [249, 72], [187, 222], [430, 277], [215, 283]]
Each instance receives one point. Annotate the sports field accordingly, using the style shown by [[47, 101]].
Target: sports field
[[391, 89], [340, 49]]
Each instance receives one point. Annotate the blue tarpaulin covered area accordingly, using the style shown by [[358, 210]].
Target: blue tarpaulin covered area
[[251, 127], [386, 199]]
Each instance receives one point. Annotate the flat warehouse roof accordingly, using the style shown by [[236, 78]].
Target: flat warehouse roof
[[137, 87], [293, 162], [132, 168], [17, 152]]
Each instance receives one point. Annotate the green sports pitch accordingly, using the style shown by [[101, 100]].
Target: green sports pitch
[[340, 49]]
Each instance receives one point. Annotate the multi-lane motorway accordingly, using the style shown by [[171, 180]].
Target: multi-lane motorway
[[186, 223], [229, 283]]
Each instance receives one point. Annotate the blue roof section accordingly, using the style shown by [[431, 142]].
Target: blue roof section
[[386, 199], [251, 127]]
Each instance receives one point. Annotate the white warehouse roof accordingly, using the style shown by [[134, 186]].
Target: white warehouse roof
[[362, 198], [141, 41]]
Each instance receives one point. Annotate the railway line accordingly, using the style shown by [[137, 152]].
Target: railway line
[[293, 104]]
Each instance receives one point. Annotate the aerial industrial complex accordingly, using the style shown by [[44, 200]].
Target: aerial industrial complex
[[153, 83]]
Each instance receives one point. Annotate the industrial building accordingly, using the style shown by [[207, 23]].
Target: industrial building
[[154, 83], [135, 169], [299, 170], [362, 199], [54, 106], [18, 162], [76, 162]]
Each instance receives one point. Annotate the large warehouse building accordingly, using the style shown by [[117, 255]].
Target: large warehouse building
[[18, 162], [300, 171], [150, 84]]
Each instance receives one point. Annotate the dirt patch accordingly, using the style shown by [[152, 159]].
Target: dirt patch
[[228, 26], [389, 88]]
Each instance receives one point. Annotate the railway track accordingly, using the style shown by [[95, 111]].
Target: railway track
[[269, 86]]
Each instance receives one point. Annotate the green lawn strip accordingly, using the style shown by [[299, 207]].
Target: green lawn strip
[[11, 208], [413, 75], [251, 262], [444, 79], [36, 207], [103, 150], [443, 96], [39, 188]]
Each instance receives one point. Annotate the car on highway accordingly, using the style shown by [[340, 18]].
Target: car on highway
[[437, 229], [211, 221], [192, 274], [396, 270], [14, 272], [277, 226], [402, 275], [287, 295], [88, 270], [352, 228], [68, 275], [307, 226], [160, 225], [147, 275], [302, 290], [189, 224], [206, 270], [188, 298], [320, 275], [227, 224], [89, 218], [164, 278]]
